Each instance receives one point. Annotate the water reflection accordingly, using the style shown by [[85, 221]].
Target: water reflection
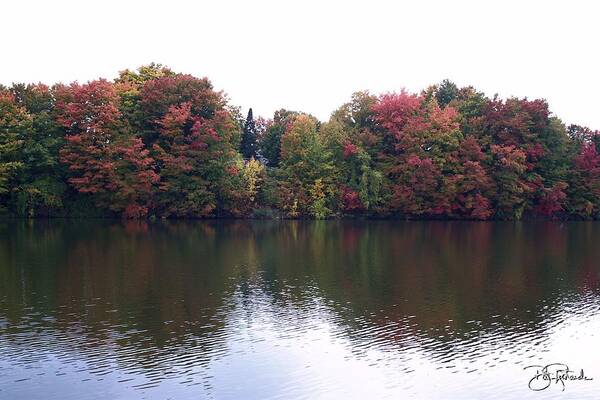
[[295, 309]]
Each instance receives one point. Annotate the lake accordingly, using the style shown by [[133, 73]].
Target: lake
[[298, 309]]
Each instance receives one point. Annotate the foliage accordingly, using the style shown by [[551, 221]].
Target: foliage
[[103, 158], [154, 142], [14, 122], [270, 143], [584, 188], [307, 179], [248, 146]]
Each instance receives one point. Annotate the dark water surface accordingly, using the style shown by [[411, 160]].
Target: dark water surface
[[296, 310]]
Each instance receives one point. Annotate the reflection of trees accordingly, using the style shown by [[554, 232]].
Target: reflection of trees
[[107, 288], [164, 290], [446, 271], [448, 276]]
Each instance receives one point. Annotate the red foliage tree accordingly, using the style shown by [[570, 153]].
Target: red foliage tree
[[552, 200], [351, 199], [422, 158], [103, 158], [584, 188], [516, 121], [198, 164]]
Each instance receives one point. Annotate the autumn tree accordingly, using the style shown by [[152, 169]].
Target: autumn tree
[[14, 123], [200, 170], [253, 175], [351, 137], [158, 95], [306, 171], [104, 159], [510, 166], [128, 87], [527, 126], [471, 182], [421, 141], [584, 181]]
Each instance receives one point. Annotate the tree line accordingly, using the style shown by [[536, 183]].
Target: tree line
[[158, 144]]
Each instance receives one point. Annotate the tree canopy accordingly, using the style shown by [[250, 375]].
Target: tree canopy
[[156, 143]]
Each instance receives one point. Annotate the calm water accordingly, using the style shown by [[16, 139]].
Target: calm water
[[294, 310]]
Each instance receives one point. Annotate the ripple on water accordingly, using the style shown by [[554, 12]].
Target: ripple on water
[[357, 329]]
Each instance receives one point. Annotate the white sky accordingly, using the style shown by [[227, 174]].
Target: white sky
[[311, 55]]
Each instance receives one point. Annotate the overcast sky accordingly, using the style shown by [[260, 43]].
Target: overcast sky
[[311, 55]]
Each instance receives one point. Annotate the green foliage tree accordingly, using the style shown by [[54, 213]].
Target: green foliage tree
[[446, 92], [270, 143], [307, 179], [41, 182]]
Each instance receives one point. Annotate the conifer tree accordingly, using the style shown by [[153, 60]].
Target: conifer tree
[[248, 146]]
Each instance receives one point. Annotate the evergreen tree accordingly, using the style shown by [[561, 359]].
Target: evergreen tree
[[446, 92], [248, 146]]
